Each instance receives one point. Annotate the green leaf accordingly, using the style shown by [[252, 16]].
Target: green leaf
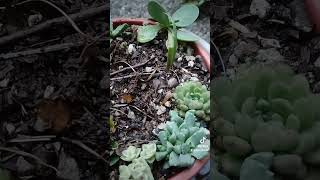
[[147, 33], [120, 29], [183, 35], [244, 126], [114, 159], [158, 13], [130, 153], [160, 155], [186, 15], [253, 169], [282, 107], [305, 112], [236, 146], [185, 160], [171, 46], [173, 159]]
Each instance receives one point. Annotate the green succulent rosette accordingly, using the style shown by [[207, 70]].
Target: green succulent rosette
[[192, 95]]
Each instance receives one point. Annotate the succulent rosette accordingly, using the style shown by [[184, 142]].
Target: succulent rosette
[[192, 95]]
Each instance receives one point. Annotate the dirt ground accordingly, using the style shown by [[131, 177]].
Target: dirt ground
[[54, 95]]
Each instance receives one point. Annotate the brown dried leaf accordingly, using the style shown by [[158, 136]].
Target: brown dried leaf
[[127, 98], [55, 114]]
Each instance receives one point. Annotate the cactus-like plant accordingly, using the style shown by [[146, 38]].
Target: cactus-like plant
[[137, 170], [182, 141], [192, 95], [266, 109]]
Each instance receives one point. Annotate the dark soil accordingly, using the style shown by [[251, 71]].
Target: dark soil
[[141, 102], [285, 24], [54, 105]]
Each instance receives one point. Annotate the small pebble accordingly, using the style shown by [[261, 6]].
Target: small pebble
[[190, 58], [4, 83], [131, 49], [194, 79], [190, 63], [172, 82], [161, 110], [233, 60], [160, 91], [179, 59], [143, 86], [10, 128], [149, 69], [131, 115], [167, 104]]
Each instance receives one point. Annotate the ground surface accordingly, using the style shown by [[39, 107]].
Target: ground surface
[[138, 8], [141, 90], [54, 92]]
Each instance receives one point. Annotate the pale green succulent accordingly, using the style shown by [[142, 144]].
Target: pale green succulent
[[148, 152], [266, 109], [130, 154], [182, 141], [138, 170], [192, 95]]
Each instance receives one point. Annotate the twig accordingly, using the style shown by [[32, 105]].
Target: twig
[[22, 153], [126, 68], [54, 22], [73, 24], [32, 139], [85, 147], [56, 47], [133, 75], [220, 57], [141, 111]]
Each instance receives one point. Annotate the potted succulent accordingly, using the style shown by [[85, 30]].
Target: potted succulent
[[180, 104]]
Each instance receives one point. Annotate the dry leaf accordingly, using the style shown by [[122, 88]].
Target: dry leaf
[[52, 114], [127, 98]]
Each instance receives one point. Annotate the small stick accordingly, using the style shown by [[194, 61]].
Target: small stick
[[22, 153], [56, 47], [141, 111], [126, 68], [32, 139], [54, 22], [73, 24], [133, 75], [85, 147]]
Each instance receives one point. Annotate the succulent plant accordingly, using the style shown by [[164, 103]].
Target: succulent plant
[[182, 141], [266, 109], [130, 153], [148, 152], [137, 170], [192, 95]]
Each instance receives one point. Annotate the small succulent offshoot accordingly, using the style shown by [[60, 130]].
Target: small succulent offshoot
[[140, 159], [183, 17], [182, 141], [192, 95], [267, 124]]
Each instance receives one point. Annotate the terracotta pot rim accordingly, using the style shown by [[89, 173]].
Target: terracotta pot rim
[[313, 10], [199, 50]]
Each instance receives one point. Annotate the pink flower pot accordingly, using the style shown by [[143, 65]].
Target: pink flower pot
[[199, 50], [313, 10]]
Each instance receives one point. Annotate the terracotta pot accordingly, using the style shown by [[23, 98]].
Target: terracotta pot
[[200, 49], [313, 9]]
